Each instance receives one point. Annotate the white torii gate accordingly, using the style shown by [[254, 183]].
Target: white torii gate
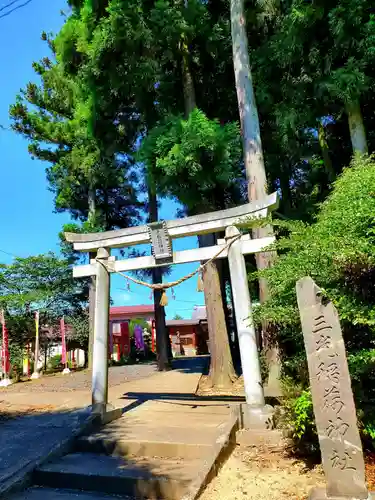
[[160, 235]]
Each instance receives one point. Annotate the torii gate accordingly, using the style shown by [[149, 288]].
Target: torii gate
[[161, 235]]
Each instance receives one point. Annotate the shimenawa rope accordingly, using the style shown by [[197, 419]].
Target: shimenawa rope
[[166, 286]]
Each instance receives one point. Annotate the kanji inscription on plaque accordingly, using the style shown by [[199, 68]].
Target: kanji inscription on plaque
[[161, 243]]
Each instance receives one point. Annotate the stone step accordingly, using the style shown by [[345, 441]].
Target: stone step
[[184, 433], [146, 448], [40, 493], [167, 419], [178, 406], [149, 477], [150, 436]]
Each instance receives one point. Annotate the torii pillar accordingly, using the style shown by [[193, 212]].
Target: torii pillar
[[254, 414], [101, 331]]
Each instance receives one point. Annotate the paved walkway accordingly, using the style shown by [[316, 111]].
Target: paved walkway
[[167, 437], [27, 439], [65, 391], [128, 385], [159, 410]]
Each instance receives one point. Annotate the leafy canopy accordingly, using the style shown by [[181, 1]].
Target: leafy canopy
[[41, 282], [196, 160]]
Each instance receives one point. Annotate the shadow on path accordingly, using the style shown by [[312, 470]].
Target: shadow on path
[[195, 364], [198, 364]]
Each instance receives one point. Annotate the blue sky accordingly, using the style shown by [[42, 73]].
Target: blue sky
[[28, 224]]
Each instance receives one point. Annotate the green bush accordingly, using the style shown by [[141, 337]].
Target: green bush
[[55, 362], [338, 252], [16, 354], [362, 371], [298, 419]]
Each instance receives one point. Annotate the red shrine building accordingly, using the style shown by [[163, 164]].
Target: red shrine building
[[119, 319], [188, 336]]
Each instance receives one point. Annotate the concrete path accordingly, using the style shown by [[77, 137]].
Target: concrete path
[[66, 391], [26, 440], [166, 442]]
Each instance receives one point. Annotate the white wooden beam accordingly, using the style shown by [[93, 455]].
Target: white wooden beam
[[84, 270], [248, 246], [199, 224]]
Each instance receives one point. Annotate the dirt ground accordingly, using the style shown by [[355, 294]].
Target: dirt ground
[[205, 389], [81, 380], [258, 474]]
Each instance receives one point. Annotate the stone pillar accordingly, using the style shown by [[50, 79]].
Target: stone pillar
[[254, 413], [101, 329], [332, 396]]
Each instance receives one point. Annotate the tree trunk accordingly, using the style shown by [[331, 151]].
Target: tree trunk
[[356, 127], [163, 351], [222, 373], [45, 356], [91, 199], [188, 83], [162, 338], [86, 354], [325, 153], [252, 144], [254, 162], [92, 298], [92, 285]]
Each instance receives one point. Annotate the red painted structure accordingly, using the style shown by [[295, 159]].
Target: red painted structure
[[119, 318], [193, 336], [122, 313]]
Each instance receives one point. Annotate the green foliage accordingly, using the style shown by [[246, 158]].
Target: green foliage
[[44, 283], [114, 80], [362, 372], [55, 362], [75, 133], [16, 355], [79, 335], [337, 251], [177, 317], [41, 282], [298, 418], [196, 160]]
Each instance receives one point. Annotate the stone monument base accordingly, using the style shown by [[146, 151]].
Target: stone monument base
[[321, 494], [5, 382], [35, 375], [256, 417]]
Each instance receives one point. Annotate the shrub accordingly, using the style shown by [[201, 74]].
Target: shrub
[[338, 252], [298, 419], [55, 362], [16, 354]]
